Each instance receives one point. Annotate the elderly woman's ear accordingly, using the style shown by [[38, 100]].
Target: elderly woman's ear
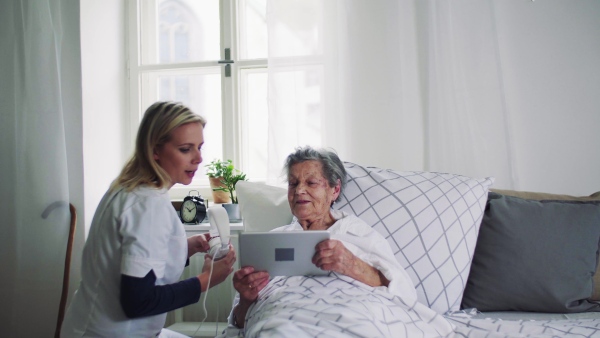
[[336, 191]]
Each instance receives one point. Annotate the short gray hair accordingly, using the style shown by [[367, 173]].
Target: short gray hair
[[333, 167]]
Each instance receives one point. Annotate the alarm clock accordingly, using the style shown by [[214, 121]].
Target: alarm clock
[[193, 209]]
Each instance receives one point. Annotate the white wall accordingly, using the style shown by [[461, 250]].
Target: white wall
[[104, 96], [102, 24], [550, 52]]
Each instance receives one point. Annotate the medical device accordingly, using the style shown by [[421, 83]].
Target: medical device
[[219, 232], [219, 245]]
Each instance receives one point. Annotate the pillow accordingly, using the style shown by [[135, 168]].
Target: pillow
[[431, 221], [263, 207], [538, 196], [535, 256]]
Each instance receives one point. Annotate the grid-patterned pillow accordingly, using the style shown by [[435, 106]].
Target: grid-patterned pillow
[[430, 219]]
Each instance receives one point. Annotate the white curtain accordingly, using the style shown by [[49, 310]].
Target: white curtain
[[466, 117], [34, 59], [401, 84]]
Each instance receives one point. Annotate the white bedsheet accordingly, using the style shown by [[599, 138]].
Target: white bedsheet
[[338, 306], [498, 328], [520, 324]]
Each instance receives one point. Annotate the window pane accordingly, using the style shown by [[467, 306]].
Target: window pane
[[255, 116], [179, 31], [253, 29], [199, 89]]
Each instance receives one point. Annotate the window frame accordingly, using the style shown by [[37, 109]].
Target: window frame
[[232, 118]]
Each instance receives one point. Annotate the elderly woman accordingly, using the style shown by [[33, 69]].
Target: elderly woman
[[360, 261]]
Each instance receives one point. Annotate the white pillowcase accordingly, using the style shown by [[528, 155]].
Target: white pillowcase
[[430, 219], [263, 207]]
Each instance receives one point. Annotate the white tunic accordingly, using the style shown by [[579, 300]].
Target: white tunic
[[131, 233]]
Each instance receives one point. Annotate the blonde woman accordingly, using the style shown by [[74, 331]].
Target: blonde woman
[[137, 246]]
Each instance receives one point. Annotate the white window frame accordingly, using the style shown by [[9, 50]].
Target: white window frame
[[232, 117]]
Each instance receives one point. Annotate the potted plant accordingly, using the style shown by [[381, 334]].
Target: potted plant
[[223, 176], [215, 171]]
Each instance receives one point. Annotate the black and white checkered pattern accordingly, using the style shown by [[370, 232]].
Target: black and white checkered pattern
[[431, 221]]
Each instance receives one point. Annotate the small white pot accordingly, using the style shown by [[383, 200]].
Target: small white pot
[[233, 210]]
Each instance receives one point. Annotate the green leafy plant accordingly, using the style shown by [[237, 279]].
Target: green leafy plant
[[229, 176], [216, 168]]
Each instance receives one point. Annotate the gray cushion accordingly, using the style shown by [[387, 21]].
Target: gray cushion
[[534, 256]]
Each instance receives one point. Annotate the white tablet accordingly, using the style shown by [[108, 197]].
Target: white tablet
[[286, 253]]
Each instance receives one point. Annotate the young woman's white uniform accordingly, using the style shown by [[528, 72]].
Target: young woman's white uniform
[[131, 233]]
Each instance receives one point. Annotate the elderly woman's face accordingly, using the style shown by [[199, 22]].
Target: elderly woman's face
[[309, 193]]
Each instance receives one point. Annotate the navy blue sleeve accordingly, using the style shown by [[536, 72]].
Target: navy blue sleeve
[[140, 297]]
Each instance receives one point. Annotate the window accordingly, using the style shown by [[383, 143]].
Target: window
[[174, 51]]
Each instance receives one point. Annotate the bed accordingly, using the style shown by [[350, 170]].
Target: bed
[[434, 223]]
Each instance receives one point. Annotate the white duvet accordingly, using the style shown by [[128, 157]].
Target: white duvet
[[499, 328], [339, 306]]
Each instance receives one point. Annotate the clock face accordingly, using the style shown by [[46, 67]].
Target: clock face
[[188, 211]]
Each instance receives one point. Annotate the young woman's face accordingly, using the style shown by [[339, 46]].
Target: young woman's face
[[181, 156], [309, 193]]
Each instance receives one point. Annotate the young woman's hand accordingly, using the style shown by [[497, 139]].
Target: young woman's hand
[[198, 243], [220, 269]]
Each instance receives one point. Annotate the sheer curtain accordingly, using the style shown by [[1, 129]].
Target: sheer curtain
[[407, 85], [468, 129], [34, 58]]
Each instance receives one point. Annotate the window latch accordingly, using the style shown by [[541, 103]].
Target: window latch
[[228, 61]]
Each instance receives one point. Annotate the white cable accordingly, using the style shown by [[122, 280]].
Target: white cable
[[206, 296], [217, 321]]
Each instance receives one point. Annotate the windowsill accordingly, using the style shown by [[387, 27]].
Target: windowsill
[[205, 226]]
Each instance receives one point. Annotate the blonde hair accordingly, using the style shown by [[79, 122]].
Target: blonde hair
[[156, 127]]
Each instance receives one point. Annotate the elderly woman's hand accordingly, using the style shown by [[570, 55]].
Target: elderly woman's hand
[[249, 282], [332, 255]]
